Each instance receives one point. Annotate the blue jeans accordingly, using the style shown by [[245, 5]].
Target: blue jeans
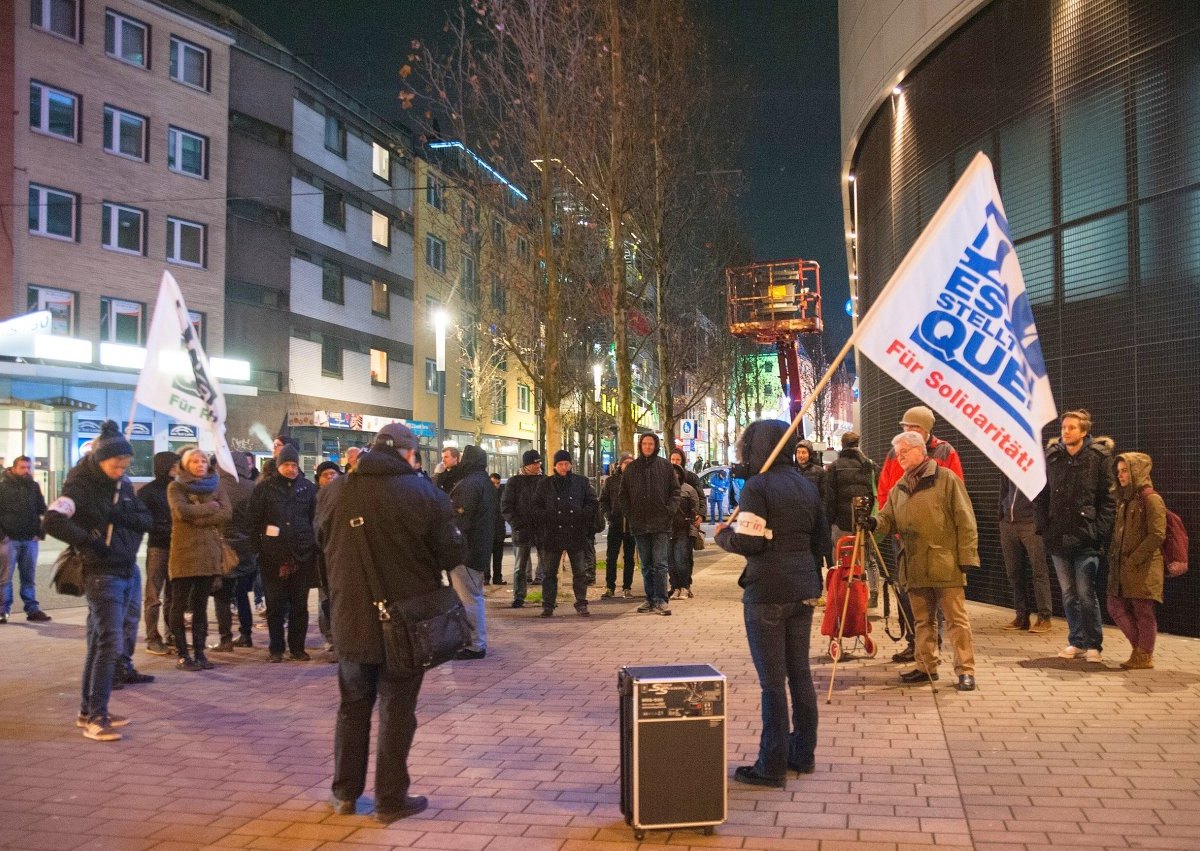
[[133, 617], [359, 684], [468, 585], [22, 559], [1077, 580], [108, 600], [654, 549], [778, 634], [716, 509]]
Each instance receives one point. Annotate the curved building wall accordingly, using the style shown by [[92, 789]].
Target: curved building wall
[[1090, 113]]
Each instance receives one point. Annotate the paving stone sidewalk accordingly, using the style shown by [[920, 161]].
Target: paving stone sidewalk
[[520, 750]]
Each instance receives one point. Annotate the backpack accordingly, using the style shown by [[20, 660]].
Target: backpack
[[1175, 544]]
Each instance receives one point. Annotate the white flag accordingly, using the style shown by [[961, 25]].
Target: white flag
[[954, 326], [176, 379]]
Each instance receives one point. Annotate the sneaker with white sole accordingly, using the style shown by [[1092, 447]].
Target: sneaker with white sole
[[646, 607], [101, 731], [81, 721], [1093, 655], [1069, 652]]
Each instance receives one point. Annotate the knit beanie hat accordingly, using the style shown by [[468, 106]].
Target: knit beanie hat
[[919, 416], [531, 456], [562, 455], [286, 454], [326, 465], [111, 443]]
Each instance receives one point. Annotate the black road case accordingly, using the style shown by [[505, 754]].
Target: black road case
[[673, 741]]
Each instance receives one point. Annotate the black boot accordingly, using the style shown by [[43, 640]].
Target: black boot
[[186, 663], [202, 661]]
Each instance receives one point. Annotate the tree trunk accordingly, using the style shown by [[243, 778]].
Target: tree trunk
[[616, 244]]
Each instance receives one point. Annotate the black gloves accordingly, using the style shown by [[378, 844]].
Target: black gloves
[[867, 524]]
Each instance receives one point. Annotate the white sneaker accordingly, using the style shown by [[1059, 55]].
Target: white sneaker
[[1093, 655], [1069, 652]]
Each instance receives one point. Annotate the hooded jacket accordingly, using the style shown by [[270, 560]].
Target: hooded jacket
[[82, 514], [154, 496], [813, 471], [689, 504], [21, 507], [649, 492], [474, 497], [1014, 506], [199, 510], [1135, 562], [518, 507], [407, 527], [851, 474], [1075, 510], [781, 528]]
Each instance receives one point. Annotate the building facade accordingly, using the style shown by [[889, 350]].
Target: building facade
[[1090, 113]]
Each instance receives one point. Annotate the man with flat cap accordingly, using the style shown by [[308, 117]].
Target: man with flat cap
[[517, 506]]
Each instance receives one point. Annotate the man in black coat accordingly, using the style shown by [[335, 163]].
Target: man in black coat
[[497, 536], [157, 594], [475, 503], [566, 507], [649, 501], [21, 508], [619, 536], [516, 505], [408, 526]]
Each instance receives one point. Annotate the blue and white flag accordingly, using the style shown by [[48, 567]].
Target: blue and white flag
[[954, 326]]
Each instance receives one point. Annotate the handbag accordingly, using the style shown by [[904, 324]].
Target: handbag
[[68, 573], [697, 537], [229, 558]]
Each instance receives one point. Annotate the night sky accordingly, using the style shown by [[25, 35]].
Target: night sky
[[778, 56]]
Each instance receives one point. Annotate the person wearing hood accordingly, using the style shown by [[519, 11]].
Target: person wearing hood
[[199, 509], [1135, 560], [619, 536], [1074, 513], [279, 527], [649, 500], [498, 536], [1020, 541], [21, 508], [808, 461], [153, 495], [517, 507], [234, 589], [782, 532], [98, 514], [474, 499], [679, 568], [565, 506]]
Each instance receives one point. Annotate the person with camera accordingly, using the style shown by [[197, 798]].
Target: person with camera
[[939, 541], [782, 532]]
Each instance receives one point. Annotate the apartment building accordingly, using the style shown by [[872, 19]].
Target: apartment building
[[113, 168]]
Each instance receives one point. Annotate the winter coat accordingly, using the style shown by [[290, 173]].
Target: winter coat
[[1014, 506], [610, 505], [517, 506], [692, 479], [1075, 510], [649, 493], [154, 496], [851, 474], [781, 528], [474, 497], [21, 507], [82, 514], [199, 510], [409, 530], [498, 522], [288, 505], [239, 489], [1135, 562], [939, 539], [689, 507], [566, 510], [813, 470], [939, 450]]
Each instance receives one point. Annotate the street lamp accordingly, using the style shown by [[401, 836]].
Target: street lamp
[[596, 417], [712, 438], [440, 321]]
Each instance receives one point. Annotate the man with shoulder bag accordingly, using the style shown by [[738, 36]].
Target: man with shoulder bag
[[408, 527]]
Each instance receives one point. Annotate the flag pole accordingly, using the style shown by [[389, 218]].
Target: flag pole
[[132, 414]]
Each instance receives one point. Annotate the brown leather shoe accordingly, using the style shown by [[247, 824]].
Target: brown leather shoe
[[1017, 623], [1041, 626]]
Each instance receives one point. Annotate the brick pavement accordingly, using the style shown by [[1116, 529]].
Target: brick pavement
[[520, 750]]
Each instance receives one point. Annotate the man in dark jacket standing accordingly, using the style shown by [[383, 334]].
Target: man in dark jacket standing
[[851, 475], [1019, 539], [158, 550], [21, 508], [234, 589], [517, 507], [475, 500], [649, 500], [1075, 515], [619, 537], [566, 506], [408, 527], [497, 536]]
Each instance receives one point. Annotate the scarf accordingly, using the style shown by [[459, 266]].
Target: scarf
[[200, 487]]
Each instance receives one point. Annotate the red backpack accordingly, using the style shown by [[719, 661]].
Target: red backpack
[[1175, 544]]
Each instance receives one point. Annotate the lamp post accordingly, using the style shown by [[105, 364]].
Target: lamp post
[[440, 321], [712, 438], [596, 415]]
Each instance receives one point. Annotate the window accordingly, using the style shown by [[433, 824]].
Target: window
[[187, 153], [53, 212], [500, 402], [431, 376], [468, 213], [124, 133], [334, 211], [498, 232], [381, 302], [499, 359], [499, 296], [524, 398], [126, 39], [53, 112], [331, 357], [335, 135], [60, 303], [468, 281], [435, 193], [435, 253], [379, 367], [333, 283], [186, 242], [381, 230], [381, 162], [189, 63], [523, 249], [121, 321], [60, 17], [466, 402], [1095, 258], [123, 228]]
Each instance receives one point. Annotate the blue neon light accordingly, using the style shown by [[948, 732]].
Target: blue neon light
[[482, 164]]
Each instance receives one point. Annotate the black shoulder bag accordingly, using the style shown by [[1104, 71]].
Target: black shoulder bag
[[419, 632]]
